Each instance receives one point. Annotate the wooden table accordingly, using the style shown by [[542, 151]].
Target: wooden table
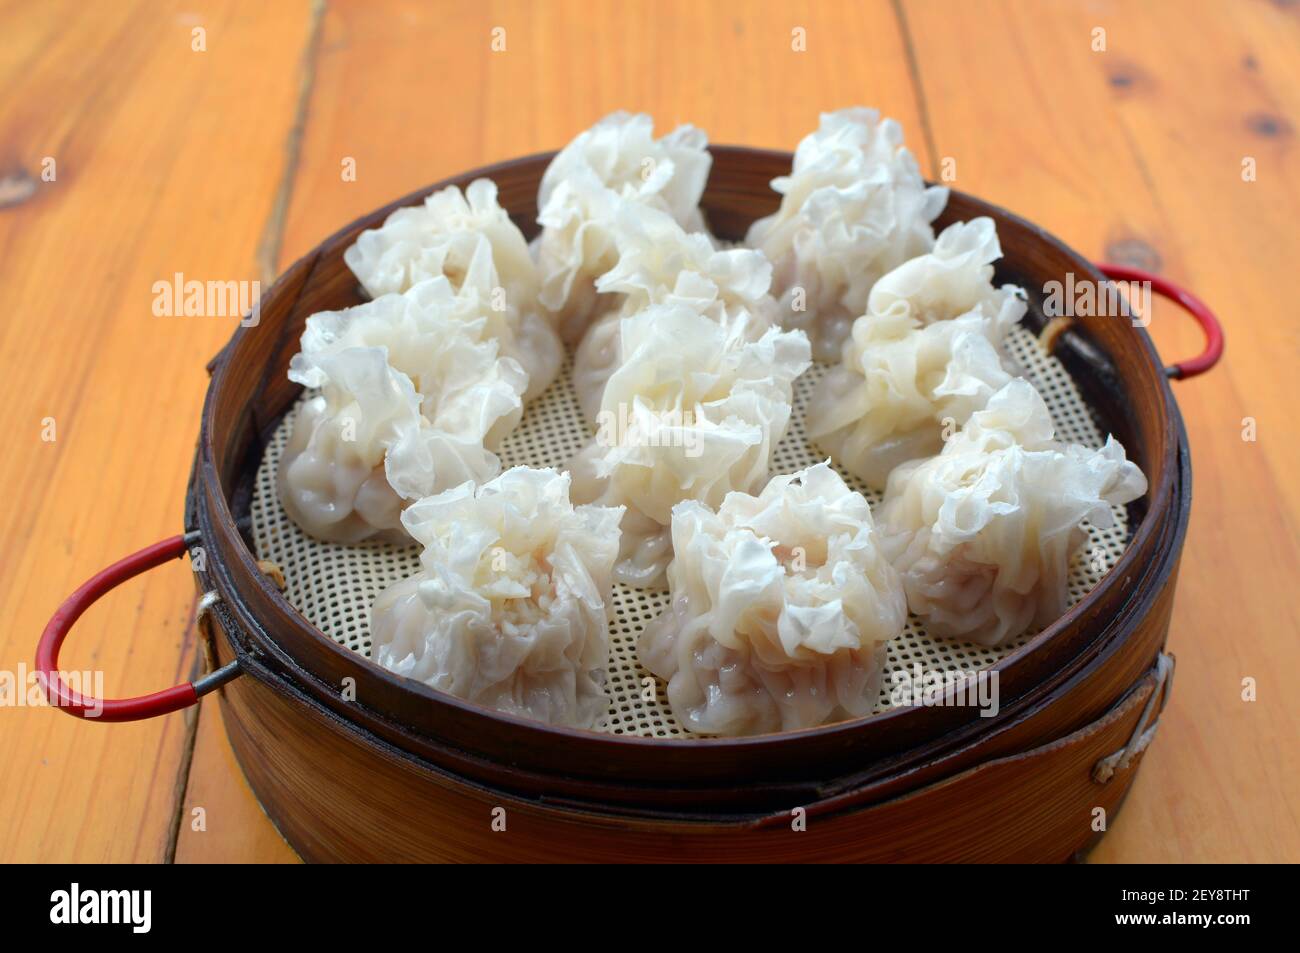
[[130, 155]]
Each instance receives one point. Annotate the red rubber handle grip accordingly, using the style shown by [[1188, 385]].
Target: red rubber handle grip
[[47, 652], [1197, 308]]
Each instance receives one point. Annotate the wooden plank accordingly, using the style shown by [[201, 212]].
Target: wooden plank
[[166, 160], [1136, 153], [221, 821], [414, 92]]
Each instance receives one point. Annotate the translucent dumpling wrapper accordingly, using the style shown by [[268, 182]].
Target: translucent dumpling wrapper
[[694, 412], [902, 389], [615, 162], [926, 355], [440, 237], [982, 535], [661, 263], [853, 208], [954, 279], [511, 607], [782, 605], [469, 240], [411, 401]]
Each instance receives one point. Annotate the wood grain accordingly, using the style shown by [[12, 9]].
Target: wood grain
[[166, 160], [580, 61], [221, 822], [344, 801], [414, 92], [1136, 153], [170, 160]]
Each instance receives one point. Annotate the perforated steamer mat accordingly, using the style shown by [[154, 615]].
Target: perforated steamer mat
[[334, 585]]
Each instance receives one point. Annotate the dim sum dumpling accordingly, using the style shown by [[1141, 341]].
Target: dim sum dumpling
[[954, 279], [511, 607], [782, 604], [410, 402], [914, 367], [693, 412], [441, 237], [902, 388], [469, 240], [661, 263], [526, 337], [615, 162], [982, 534], [853, 208]]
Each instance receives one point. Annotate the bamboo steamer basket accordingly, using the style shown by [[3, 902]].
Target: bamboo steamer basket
[[354, 763]]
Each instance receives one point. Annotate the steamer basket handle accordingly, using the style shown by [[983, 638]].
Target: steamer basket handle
[[1197, 308], [120, 709]]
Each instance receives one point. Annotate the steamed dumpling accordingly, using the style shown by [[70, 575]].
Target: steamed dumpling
[[441, 237], [925, 356], [854, 207], [693, 412], [902, 388], [616, 161], [511, 607], [982, 534], [661, 263], [953, 279], [411, 400], [470, 240], [782, 604], [331, 478]]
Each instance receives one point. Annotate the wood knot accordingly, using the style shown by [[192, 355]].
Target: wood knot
[[1268, 125], [16, 188], [1125, 77], [1133, 252]]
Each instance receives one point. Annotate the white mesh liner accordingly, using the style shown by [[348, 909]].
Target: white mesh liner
[[333, 585]]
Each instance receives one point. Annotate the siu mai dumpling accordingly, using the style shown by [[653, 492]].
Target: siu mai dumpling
[[926, 355], [853, 208], [982, 535], [693, 412], [469, 240], [661, 263], [410, 401], [511, 607], [782, 605], [615, 162]]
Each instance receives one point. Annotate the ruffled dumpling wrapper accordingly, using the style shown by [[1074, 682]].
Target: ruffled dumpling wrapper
[[469, 240], [661, 263], [954, 279], [511, 607], [782, 606], [913, 370], [982, 535], [411, 401], [440, 237], [902, 388], [853, 208], [617, 161], [694, 412]]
